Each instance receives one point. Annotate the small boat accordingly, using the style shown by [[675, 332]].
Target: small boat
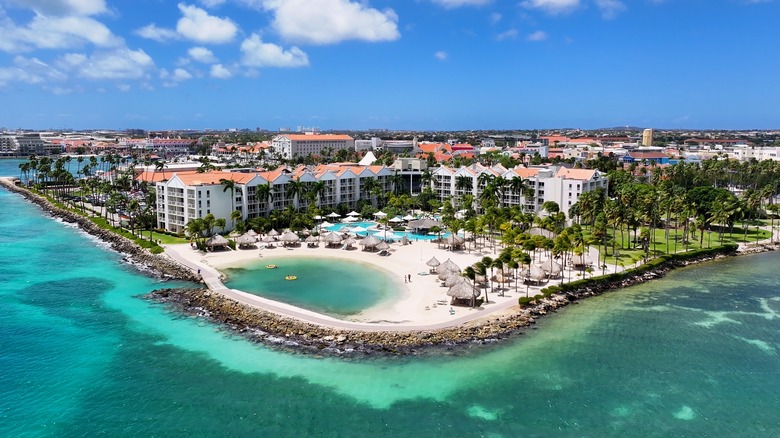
[[291, 277], [271, 266]]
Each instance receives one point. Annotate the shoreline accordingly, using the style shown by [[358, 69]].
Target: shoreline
[[280, 331]]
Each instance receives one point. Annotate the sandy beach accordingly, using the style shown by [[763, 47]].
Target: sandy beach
[[420, 304]]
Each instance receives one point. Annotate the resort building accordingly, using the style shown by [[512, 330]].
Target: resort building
[[188, 195], [540, 184], [301, 145]]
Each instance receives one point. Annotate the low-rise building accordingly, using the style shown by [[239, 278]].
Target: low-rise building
[[300, 145]]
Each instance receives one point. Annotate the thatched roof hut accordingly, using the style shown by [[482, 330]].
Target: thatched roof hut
[[552, 267], [448, 265], [370, 242], [290, 238], [246, 240], [273, 233], [463, 291], [433, 262], [216, 241]]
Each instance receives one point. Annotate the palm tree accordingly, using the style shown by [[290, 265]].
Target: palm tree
[[397, 181], [316, 190], [229, 184], [295, 190]]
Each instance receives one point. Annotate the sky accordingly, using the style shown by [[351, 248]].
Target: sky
[[398, 65]]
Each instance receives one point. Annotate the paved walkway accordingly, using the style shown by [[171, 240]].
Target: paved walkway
[[212, 279]]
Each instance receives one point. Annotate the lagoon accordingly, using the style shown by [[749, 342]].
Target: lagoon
[[331, 286]]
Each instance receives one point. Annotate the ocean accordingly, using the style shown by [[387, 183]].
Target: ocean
[[82, 354]]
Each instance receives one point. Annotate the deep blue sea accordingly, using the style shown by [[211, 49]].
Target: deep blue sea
[[693, 354]]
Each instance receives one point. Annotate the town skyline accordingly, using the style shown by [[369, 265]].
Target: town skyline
[[428, 65]]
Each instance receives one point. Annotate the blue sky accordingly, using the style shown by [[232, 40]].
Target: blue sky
[[411, 64]]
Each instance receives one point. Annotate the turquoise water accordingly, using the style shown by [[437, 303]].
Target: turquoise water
[[336, 287], [410, 235], [694, 354]]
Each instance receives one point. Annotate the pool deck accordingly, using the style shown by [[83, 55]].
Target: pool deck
[[417, 307]]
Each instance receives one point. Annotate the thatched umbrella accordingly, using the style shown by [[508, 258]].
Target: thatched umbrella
[[500, 277], [552, 267], [433, 262], [252, 232], [273, 233], [382, 246], [370, 242], [424, 224], [290, 237], [535, 273], [445, 274], [453, 279], [448, 265], [349, 241], [332, 238], [463, 290], [580, 260], [245, 240], [312, 239], [216, 240]]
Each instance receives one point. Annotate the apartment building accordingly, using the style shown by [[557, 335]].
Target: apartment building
[[190, 195], [553, 183], [300, 145]]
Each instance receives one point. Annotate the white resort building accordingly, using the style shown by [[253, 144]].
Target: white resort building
[[300, 145], [190, 195], [554, 183]]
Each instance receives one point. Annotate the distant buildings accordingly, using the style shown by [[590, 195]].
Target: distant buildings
[[647, 137], [290, 146]]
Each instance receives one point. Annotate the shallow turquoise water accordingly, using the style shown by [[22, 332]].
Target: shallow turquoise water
[[330, 286], [694, 354], [367, 224]]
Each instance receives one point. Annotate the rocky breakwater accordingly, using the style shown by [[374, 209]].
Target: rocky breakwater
[[152, 264], [295, 335]]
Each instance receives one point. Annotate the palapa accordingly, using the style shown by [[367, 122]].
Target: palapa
[[448, 265], [424, 224], [552, 267], [349, 241], [445, 274], [332, 238], [273, 233], [452, 279], [535, 273], [312, 239], [246, 239], [290, 237], [216, 240], [370, 242], [252, 232], [463, 290], [382, 246], [433, 262]]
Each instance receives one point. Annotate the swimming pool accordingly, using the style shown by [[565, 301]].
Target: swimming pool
[[346, 227]]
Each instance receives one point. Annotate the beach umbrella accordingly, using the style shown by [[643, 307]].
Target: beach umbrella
[[396, 220], [252, 232], [424, 223], [246, 239], [463, 290], [273, 233], [552, 267], [536, 273], [358, 229], [370, 242], [580, 260], [448, 265], [349, 241], [290, 237], [349, 219], [334, 215], [382, 246], [332, 238], [408, 217], [500, 277], [433, 262], [318, 217], [353, 213], [384, 235], [452, 279], [312, 239], [326, 224], [380, 214], [480, 279], [216, 240], [454, 240]]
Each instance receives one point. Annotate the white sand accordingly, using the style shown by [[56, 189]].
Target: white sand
[[417, 302]]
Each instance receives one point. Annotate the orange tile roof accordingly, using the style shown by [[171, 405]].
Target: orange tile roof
[[581, 174], [213, 178], [151, 176], [525, 172]]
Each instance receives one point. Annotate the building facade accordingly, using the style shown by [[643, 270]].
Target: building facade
[[300, 145]]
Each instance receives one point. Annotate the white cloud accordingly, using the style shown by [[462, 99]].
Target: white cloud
[[610, 8], [511, 33], [552, 6], [30, 71], [331, 21], [202, 54], [256, 53], [441, 55], [459, 3], [153, 32], [123, 87], [211, 3], [197, 25], [181, 74], [45, 32], [495, 17], [537, 36], [219, 71], [63, 7], [118, 64]]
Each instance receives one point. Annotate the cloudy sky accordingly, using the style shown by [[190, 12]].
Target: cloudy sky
[[404, 64]]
